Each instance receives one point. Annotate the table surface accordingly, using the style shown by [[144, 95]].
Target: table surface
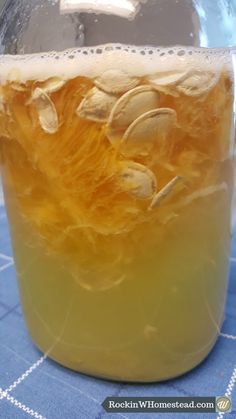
[[33, 385]]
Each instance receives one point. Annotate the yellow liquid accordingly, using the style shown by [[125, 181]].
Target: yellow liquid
[[160, 322], [108, 286]]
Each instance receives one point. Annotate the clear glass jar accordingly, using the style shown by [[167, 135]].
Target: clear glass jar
[[117, 162]]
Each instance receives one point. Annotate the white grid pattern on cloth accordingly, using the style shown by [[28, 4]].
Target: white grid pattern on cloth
[[26, 374], [225, 335], [4, 394], [7, 258], [8, 262], [229, 390], [7, 265], [1, 197], [19, 405]]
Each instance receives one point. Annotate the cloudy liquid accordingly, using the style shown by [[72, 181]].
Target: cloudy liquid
[[121, 232]]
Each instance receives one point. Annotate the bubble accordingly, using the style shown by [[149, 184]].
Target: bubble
[[181, 53], [93, 61]]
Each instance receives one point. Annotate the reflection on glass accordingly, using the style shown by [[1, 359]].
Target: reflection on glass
[[123, 8], [217, 22]]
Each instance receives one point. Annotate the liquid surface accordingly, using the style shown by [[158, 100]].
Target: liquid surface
[[94, 61], [118, 178]]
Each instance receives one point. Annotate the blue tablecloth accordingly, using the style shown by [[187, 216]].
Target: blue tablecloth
[[33, 385]]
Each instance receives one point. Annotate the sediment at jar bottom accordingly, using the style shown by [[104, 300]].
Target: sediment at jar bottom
[[119, 193]]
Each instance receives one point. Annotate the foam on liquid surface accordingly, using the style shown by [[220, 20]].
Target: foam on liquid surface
[[93, 61]]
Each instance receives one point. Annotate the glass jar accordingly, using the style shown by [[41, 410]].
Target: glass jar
[[117, 136]]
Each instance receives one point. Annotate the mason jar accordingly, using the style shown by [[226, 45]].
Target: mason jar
[[117, 143]]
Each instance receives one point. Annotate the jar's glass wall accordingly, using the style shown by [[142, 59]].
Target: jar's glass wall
[[28, 27], [118, 172]]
